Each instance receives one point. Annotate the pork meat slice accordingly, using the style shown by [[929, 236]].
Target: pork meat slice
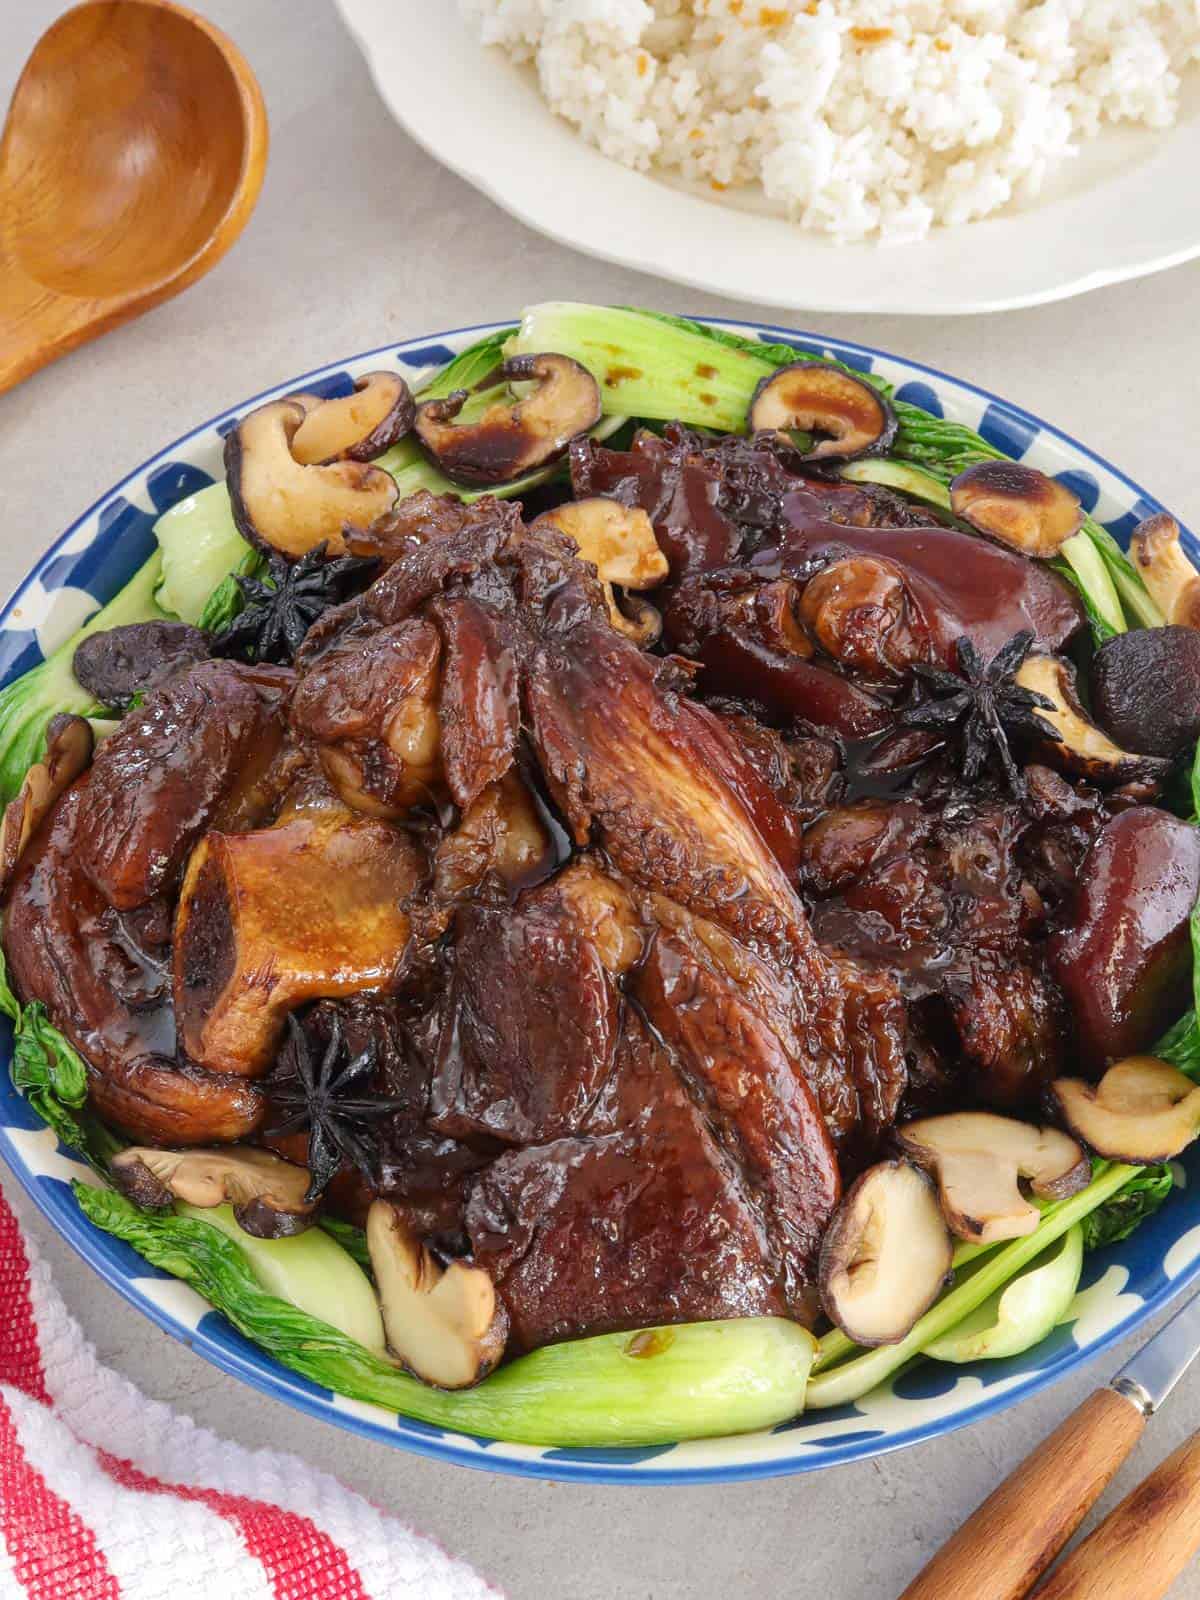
[[650, 1223], [104, 977], [532, 1015], [368, 708], [659, 783], [202, 751], [757, 1098]]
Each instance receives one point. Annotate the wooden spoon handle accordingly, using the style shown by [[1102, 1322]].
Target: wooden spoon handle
[[1003, 1548], [37, 325], [1139, 1549]]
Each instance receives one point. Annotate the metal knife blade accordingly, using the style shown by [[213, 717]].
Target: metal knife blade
[[1148, 1378]]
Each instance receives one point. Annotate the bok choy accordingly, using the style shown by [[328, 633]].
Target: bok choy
[[28, 703], [651, 1387]]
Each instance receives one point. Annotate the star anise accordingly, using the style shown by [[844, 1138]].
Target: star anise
[[323, 1095], [281, 608], [982, 706]]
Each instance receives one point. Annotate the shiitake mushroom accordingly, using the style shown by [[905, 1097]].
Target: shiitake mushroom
[[354, 427], [512, 437], [1018, 505], [977, 1159], [284, 508], [850, 417], [1157, 552], [1142, 1111], [268, 1195], [1074, 743], [886, 1255], [1145, 689], [119, 663]]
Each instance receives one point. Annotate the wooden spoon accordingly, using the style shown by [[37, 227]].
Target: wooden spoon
[[131, 160]]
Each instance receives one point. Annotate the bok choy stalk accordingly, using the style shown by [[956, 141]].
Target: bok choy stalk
[[200, 549], [837, 1381], [310, 1270], [1023, 1312], [652, 1387], [28, 703], [666, 368]]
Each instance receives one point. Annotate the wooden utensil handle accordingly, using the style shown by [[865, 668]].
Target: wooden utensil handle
[[1139, 1549], [1001, 1551]]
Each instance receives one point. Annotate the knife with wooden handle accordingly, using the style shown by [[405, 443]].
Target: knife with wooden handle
[[1002, 1550], [1139, 1549]]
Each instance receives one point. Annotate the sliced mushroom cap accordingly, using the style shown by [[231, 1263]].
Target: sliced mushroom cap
[[1142, 1111], [619, 542], [1080, 747], [1018, 505], [1172, 580], [637, 619], [512, 438], [885, 1255], [268, 1194], [312, 908], [285, 508], [119, 663], [69, 745], [444, 1323], [978, 1157], [357, 426], [816, 397]]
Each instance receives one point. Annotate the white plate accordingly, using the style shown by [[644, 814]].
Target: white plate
[[1126, 207]]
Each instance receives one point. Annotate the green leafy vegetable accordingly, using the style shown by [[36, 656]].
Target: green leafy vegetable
[[649, 365], [1180, 1045], [899, 475], [50, 1075], [27, 704], [200, 548], [352, 1240], [227, 600], [1141, 1197], [652, 1387]]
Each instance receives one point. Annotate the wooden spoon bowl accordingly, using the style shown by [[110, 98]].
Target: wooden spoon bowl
[[132, 157]]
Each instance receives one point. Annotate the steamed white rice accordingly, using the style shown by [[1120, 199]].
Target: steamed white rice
[[858, 117]]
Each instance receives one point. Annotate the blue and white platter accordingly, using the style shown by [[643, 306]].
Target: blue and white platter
[[1122, 1287]]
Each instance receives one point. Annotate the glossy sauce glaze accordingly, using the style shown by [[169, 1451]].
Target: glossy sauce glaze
[[648, 951]]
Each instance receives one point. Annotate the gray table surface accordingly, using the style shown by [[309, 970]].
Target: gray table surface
[[360, 238]]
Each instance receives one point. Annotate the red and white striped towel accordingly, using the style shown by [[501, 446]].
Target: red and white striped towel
[[106, 1494]]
